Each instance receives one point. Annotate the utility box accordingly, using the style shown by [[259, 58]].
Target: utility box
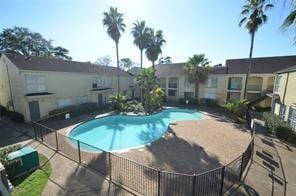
[[29, 160]]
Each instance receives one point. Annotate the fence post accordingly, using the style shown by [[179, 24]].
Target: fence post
[[110, 166], [241, 167], [222, 180], [35, 131], [193, 185], [158, 182], [56, 137], [41, 133], [79, 152]]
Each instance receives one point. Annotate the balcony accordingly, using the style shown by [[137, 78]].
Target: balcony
[[254, 87]]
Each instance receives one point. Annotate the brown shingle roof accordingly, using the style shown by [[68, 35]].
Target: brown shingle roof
[[290, 69], [51, 64], [260, 65], [176, 69]]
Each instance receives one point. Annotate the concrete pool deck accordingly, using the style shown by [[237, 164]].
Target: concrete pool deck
[[192, 146]]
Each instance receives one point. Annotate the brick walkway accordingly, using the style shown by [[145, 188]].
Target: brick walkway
[[272, 171]]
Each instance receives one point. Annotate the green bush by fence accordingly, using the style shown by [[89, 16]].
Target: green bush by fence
[[10, 165], [279, 127]]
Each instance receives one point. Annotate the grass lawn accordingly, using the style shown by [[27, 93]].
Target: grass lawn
[[33, 183]]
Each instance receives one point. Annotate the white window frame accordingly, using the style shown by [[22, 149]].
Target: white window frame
[[277, 83], [64, 102], [292, 117], [35, 83], [212, 82], [210, 95]]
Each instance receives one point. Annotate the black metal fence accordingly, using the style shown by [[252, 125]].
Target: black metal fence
[[144, 179]]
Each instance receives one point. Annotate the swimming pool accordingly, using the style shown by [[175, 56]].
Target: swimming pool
[[122, 132]]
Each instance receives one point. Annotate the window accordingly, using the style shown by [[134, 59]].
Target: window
[[172, 93], [173, 82], [101, 82], [187, 83], [277, 83], [292, 118], [210, 95], [211, 82], [162, 83], [235, 83], [282, 113], [81, 99], [188, 95], [35, 83], [64, 102], [233, 96]]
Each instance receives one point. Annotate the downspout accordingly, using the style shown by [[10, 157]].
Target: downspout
[[9, 84]]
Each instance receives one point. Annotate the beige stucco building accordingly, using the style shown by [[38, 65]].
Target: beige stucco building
[[33, 86], [226, 83], [284, 95]]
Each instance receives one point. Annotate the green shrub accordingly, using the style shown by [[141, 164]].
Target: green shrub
[[2, 110], [76, 110], [10, 165], [15, 116], [273, 122], [279, 127], [119, 102], [238, 108]]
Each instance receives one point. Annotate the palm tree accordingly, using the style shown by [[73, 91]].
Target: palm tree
[[253, 17], [141, 37], [153, 49], [197, 69], [115, 26], [290, 20]]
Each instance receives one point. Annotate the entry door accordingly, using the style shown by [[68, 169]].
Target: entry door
[[34, 110], [100, 99]]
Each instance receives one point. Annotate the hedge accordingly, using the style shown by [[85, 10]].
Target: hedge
[[10, 165], [76, 110], [279, 127]]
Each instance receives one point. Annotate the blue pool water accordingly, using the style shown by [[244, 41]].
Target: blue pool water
[[119, 132]]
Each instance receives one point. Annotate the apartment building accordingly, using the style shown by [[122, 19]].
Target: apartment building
[[33, 86], [226, 83], [284, 97]]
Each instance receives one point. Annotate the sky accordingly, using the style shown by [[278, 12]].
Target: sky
[[189, 27]]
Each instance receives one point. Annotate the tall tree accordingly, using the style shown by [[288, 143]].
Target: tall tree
[[104, 60], [153, 49], [290, 20], [115, 26], [253, 16], [22, 41], [197, 70], [141, 37], [126, 63], [61, 53], [165, 60]]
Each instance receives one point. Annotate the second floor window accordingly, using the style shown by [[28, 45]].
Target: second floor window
[[173, 83], [211, 82], [277, 83], [35, 83], [235, 83], [101, 82]]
